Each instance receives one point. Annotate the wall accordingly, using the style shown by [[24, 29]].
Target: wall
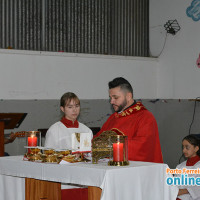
[[43, 75], [178, 75], [175, 75], [174, 117]]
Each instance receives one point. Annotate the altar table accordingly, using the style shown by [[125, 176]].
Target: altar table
[[138, 181]]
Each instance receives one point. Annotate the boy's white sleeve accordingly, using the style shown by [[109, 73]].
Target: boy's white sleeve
[[50, 137]]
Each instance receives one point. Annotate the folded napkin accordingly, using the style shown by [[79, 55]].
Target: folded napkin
[[81, 142]]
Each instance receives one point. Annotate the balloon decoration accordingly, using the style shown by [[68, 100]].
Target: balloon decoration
[[198, 62], [193, 10]]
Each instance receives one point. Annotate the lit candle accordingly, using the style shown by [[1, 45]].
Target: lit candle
[[32, 141], [118, 154]]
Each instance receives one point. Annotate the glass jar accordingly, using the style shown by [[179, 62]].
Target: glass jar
[[33, 139], [118, 150]]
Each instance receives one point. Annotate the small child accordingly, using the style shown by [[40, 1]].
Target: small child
[[191, 151]]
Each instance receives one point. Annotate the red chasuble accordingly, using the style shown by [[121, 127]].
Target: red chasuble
[[141, 128]]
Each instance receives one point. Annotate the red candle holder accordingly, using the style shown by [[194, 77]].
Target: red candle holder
[[118, 150]]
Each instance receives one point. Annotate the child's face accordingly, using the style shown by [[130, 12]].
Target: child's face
[[71, 110], [189, 150]]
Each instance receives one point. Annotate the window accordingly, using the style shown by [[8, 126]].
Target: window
[[111, 27]]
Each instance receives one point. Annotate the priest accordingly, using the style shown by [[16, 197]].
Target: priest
[[132, 119]]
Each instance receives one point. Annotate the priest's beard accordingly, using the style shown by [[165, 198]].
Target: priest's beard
[[120, 107]]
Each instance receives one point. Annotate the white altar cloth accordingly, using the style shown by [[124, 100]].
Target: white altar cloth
[[138, 181]]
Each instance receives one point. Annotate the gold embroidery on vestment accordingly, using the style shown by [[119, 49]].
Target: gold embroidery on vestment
[[137, 107]]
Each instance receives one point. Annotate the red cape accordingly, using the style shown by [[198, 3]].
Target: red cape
[[141, 128]]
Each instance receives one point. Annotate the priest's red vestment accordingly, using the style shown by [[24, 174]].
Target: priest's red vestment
[[141, 128]]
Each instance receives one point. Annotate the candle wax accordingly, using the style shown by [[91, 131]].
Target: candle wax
[[118, 154], [32, 142]]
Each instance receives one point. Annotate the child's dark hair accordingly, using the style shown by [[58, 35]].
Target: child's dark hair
[[193, 140]]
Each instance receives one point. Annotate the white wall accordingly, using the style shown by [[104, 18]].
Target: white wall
[[174, 76], [42, 75], [178, 75]]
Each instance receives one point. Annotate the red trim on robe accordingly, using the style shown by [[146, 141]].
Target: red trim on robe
[[69, 123], [192, 161]]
